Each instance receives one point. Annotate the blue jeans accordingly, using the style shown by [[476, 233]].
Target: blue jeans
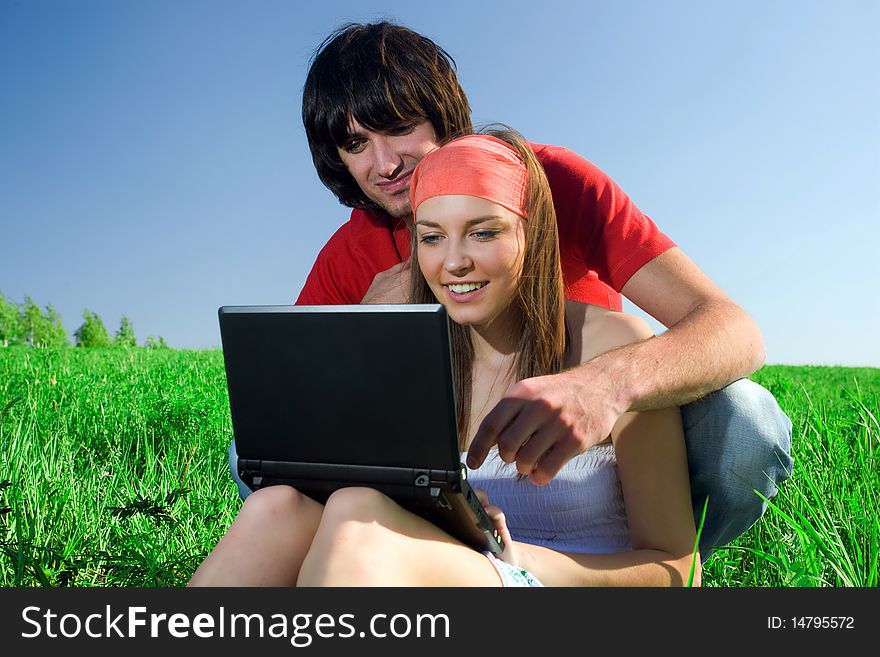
[[738, 441]]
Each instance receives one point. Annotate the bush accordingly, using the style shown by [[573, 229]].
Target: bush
[[29, 325], [42, 330], [125, 335], [52, 333], [11, 328], [26, 324], [92, 332], [153, 343]]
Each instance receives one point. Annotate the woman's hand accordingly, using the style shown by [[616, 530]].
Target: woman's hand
[[496, 515]]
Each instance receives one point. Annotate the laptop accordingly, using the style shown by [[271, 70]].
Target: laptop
[[323, 397]]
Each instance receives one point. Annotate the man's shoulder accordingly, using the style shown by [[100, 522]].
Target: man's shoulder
[[362, 225], [347, 263], [554, 154], [364, 221], [563, 165], [551, 151]]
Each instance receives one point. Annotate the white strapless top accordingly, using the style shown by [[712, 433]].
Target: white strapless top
[[580, 510]]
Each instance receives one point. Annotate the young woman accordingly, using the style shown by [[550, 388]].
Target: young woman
[[620, 514]]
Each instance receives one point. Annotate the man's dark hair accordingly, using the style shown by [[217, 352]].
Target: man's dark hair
[[384, 76]]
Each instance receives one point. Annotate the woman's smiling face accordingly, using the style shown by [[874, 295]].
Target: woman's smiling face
[[470, 251]]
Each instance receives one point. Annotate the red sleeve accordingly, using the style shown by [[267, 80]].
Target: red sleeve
[[345, 267], [325, 284], [604, 238]]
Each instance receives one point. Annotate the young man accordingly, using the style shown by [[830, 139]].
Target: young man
[[377, 98]]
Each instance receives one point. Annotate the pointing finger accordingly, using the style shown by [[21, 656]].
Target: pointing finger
[[492, 425]]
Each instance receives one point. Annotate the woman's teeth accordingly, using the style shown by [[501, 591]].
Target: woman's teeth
[[462, 288]]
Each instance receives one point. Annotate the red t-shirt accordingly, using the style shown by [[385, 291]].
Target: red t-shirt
[[603, 237]]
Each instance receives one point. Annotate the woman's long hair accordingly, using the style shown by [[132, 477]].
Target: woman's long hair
[[539, 298]]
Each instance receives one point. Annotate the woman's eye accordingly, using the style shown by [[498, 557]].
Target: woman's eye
[[484, 234], [429, 239]]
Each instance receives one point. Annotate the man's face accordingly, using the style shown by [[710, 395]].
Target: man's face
[[382, 163]]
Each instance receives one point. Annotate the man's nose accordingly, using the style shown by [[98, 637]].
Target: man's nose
[[388, 162]]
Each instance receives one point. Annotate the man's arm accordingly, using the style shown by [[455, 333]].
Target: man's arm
[[710, 341], [391, 285], [545, 421]]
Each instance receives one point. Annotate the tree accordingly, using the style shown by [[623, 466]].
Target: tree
[[92, 332], [30, 326], [152, 343], [41, 329], [32, 319], [10, 323], [125, 335], [50, 331]]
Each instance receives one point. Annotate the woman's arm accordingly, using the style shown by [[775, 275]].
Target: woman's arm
[[652, 465]]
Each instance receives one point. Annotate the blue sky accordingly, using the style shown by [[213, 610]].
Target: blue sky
[[153, 163]]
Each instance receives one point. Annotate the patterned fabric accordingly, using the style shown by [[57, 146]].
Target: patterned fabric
[[512, 575], [581, 510]]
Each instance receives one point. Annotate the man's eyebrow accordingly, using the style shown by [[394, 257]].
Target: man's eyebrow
[[468, 223], [353, 134]]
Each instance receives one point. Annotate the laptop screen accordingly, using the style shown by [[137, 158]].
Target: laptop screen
[[360, 385]]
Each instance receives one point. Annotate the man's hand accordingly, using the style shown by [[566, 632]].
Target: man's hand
[[544, 422], [390, 286]]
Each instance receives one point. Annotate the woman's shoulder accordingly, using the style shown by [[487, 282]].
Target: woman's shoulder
[[595, 330]]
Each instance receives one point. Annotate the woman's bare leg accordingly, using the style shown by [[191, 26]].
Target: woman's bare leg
[[366, 539], [266, 543]]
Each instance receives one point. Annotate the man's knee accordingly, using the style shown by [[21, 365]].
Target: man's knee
[[738, 442], [761, 418], [740, 432]]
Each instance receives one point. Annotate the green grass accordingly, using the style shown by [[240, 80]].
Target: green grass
[[113, 473], [823, 528], [113, 465]]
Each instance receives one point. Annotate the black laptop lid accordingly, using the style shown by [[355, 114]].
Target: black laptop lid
[[361, 385]]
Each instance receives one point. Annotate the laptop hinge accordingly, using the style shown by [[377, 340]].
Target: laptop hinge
[[258, 469]]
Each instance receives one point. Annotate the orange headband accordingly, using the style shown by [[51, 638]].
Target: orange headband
[[474, 165]]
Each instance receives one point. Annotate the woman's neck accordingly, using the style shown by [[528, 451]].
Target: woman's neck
[[494, 369], [496, 343]]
